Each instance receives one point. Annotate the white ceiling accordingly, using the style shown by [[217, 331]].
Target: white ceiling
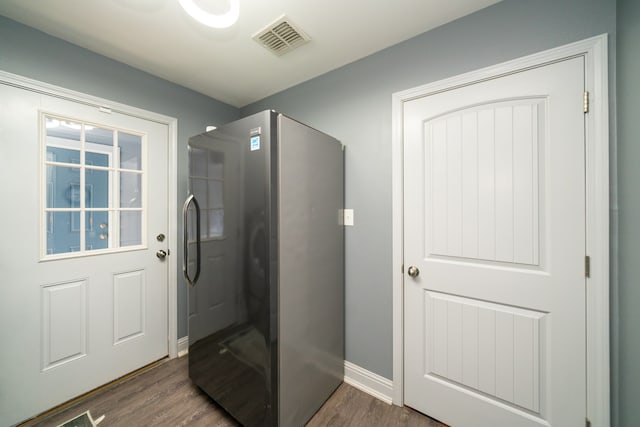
[[157, 36]]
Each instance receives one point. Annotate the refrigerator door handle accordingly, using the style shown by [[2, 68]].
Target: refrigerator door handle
[[185, 259]]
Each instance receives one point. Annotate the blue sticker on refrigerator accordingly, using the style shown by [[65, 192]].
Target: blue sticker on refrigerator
[[255, 143]]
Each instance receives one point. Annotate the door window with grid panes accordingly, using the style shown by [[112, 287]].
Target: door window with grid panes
[[94, 187], [206, 181]]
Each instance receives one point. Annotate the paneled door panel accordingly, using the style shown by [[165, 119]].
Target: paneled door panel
[[495, 224], [83, 296]]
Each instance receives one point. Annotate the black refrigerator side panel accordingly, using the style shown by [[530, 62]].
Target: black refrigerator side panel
[[311, 271], [230, 307]]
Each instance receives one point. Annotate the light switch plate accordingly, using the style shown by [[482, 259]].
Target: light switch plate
[[348, 217]]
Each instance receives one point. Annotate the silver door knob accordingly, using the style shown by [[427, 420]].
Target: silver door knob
[[161, 254], [413, 271]]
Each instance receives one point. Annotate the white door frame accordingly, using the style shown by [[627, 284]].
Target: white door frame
[[594, 50], [172, 125]]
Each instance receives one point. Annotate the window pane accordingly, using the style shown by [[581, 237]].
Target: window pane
[[198, 162], [97, 189], [216, 165], [96, 159], [199, 189], [63, 155], [216, 223], [130, 190], [63, 232], [63, 141], [215, 195], [130, 228], [98, 136], [63, 187], [97, 230], [130, 151], [49, 221]]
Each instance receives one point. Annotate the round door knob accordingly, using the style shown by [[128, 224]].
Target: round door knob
[[161, 254], [413, 271]]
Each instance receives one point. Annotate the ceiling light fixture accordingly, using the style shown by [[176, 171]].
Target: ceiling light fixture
[[52, 123], [210, 19]]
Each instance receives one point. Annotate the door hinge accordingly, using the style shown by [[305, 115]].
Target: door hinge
[[587, 422], [587, 266], [585, 102], [105, 110]]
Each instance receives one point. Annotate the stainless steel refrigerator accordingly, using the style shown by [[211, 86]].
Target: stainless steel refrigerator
[[264, 263]]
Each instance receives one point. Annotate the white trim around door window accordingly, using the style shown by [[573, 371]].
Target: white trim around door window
[[594, 51], [108, 107]]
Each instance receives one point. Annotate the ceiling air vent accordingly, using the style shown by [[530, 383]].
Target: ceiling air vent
[[281, 36]]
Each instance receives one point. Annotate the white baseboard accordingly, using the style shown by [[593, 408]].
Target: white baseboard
[[373, 384], [183, 346]]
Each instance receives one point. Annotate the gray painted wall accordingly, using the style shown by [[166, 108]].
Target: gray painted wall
[[36, 55], [353, 104], [628, 315]]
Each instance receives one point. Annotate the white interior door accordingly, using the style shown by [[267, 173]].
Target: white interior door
[[83, 296], [494, 228]]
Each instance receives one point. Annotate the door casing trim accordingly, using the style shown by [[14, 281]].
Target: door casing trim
[[32, 85], [594, 51]]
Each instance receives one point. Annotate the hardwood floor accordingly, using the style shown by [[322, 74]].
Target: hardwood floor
[[349, 406], [165, 396]]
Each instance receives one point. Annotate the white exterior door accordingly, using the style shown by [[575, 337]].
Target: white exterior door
[[494, 228], [83, 295]]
